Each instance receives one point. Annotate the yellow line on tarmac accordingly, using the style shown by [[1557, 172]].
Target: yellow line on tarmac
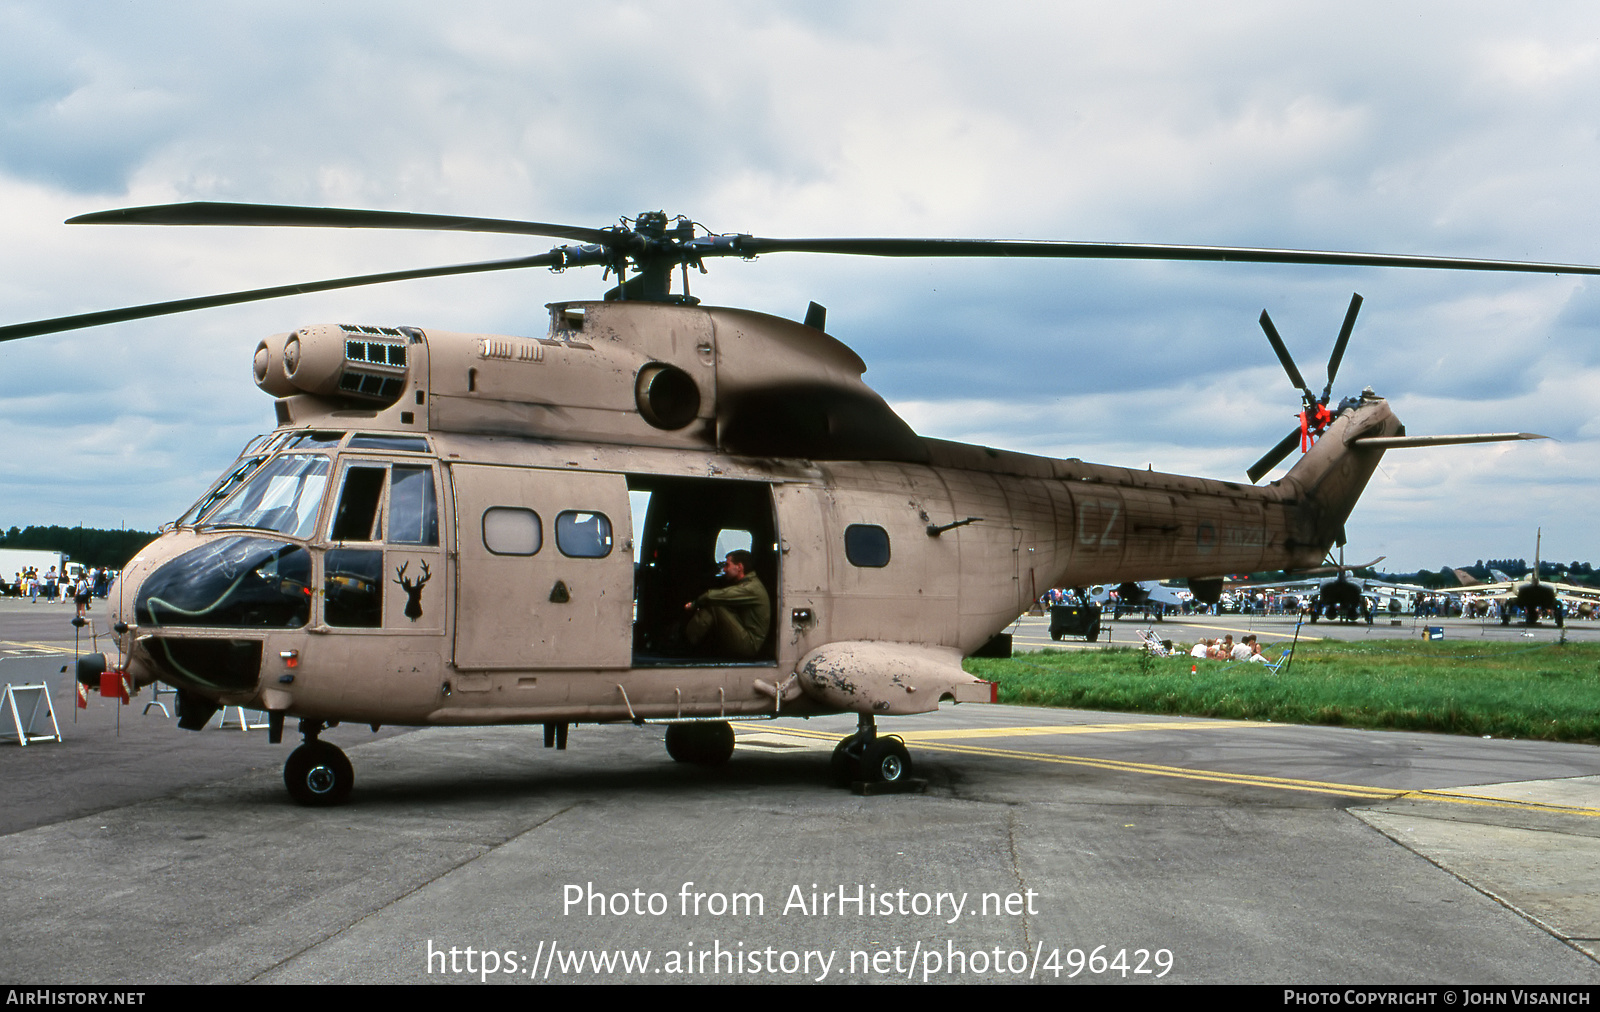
[[1208, 776], [1258, 632], [1487, 802], [1064, 645], [923, 741], [1012, 732], [53, 648]]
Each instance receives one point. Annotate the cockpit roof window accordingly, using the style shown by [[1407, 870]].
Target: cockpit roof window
[[313, 440], [380, 441]]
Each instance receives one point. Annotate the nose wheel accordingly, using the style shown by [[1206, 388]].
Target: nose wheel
[[318, 774]]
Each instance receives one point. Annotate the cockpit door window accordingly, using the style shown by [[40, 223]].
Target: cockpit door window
[[367, 585], [357, 517], [413, 509]]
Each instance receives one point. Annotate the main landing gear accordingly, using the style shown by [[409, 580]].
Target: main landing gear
[[704, 743], [864, 756], [318, 773]]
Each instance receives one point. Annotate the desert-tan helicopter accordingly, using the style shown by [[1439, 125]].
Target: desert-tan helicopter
[[439, 528]]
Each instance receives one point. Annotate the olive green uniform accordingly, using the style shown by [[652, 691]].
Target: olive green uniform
[[732, 620]]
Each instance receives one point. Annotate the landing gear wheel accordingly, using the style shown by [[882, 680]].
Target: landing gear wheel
[[885, 760], [317, 773], [708, 744], [1055, 634]]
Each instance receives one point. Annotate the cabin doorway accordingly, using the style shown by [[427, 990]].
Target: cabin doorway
[[683, 529]]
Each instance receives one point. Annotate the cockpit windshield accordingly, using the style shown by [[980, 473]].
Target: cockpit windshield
[[282, 495], [220, 490]]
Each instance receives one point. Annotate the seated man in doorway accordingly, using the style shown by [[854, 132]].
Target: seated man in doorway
[[732, 620]]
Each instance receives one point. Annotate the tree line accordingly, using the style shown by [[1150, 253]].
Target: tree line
[[88, 545]]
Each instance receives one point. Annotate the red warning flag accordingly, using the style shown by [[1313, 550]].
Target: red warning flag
[[112, 684]]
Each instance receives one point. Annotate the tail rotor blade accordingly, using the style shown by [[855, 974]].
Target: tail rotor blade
[[1285, 447], [1283, 353], [1339, 346]]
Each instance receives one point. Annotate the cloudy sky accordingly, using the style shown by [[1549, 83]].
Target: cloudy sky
[[1461, 129]]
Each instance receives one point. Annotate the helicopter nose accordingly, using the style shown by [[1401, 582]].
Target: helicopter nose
[[234, 582]]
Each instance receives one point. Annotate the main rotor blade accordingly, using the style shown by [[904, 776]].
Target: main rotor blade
[[757, 245], [212, 213], [1274, 455], [1283, 355], [61, 323], [1339, 346]]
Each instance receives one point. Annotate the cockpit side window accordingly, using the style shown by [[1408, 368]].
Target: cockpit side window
[[357, 517]]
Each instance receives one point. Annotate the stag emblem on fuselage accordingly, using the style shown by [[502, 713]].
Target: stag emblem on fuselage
[[413, 590]]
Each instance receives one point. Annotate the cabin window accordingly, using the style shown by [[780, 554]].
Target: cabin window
[[510, 530], [358, 518], [582, 535], [866, 545], [731, 541], [352, 587], [413, 510]]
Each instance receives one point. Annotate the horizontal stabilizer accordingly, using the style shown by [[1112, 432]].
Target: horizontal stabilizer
[[1337, 569], [1394, 442]]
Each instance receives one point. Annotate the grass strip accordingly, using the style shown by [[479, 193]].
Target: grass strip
[[1549, 692]]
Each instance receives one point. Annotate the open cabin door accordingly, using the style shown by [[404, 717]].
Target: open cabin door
[[545, 574], [687, 527]]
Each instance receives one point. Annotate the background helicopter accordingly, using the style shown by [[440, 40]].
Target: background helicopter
[[457, 458]]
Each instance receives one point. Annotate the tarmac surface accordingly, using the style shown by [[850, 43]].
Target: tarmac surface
[[1048, 845]]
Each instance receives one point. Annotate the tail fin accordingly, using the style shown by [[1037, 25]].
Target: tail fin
[[1330, 478]]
